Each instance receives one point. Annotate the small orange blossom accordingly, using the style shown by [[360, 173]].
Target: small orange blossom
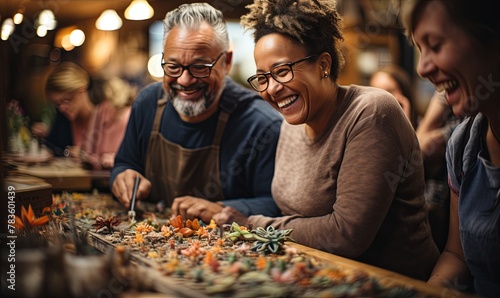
[[28, 219]]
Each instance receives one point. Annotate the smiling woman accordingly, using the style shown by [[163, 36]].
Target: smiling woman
[[459, 46], [348, 176]]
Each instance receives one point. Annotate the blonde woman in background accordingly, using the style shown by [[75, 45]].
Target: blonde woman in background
[[121, 95], [88, 122]]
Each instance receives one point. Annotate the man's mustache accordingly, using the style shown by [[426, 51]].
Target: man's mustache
[[192, 87]]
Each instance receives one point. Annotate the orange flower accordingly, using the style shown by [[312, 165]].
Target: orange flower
[[28, 220], [138, 238], [261, 262], [177, 223], [143, 227], [165, 231], [193, 225], [186, 232], [208, 258], [212, 224]]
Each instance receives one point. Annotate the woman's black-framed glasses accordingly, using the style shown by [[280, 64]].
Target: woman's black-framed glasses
[[196, 70], [282, 73]]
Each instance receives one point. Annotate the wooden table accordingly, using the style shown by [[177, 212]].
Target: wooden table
[[391, 276], [64, 174], [171, 286]]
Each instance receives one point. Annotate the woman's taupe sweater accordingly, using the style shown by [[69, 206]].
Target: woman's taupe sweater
[[357, 191]]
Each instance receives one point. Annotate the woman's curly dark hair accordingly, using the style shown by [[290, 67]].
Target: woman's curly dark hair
[[316, 24]]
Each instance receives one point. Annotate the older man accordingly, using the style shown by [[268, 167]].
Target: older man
[[199, 141]]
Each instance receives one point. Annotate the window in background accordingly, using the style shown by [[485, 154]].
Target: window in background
[[240, 42], [155, 50], [242, 45]]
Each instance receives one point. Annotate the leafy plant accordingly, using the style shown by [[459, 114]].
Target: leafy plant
[[15, 117], [270, 239], [109, 223], [265, 240], [239, 232], [17, 128]]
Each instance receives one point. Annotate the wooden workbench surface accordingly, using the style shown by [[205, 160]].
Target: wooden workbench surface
[[153, 257]]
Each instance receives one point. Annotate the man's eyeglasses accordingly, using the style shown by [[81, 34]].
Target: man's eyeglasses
[[282, 73], [197, 70]]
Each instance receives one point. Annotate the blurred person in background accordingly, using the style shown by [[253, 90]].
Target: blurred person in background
[[88, 125], [433, 132], [395, 80]]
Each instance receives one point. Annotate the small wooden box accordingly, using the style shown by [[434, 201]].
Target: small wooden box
[[61, 174], [29, 190]]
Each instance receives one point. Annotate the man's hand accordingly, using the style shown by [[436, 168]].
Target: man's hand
[[229, 215], [123, 187], [191, 208]]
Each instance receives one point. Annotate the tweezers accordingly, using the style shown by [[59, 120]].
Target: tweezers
[[131, 213]]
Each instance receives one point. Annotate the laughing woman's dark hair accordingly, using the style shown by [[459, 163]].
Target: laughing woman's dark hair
[[316, 24]]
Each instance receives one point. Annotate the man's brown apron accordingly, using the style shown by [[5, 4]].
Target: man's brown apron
[[177, 171]]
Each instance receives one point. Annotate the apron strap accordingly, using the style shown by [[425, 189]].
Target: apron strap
[[162, 103], [228, 106], [221, 124]]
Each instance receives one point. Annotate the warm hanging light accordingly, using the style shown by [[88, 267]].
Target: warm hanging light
[[66, 43], [77, 37], [7, 29], [19, 16], [139, 10], [108, 21], [41, 31], [47, 19]]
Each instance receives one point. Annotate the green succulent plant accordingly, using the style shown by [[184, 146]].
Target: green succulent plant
[[270, 239], [265, 240]]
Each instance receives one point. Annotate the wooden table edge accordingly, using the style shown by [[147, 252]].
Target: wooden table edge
[[418, 285]]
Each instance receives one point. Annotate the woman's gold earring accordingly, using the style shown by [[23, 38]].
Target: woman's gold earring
[[325, 75]]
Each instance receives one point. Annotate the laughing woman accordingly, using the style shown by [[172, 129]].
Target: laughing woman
[[349, 177], [459, 44]]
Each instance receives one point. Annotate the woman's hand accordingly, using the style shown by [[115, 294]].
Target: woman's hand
[[191, 207], [229, 215]]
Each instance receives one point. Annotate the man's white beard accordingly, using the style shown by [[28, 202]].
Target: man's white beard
[[189, 108]]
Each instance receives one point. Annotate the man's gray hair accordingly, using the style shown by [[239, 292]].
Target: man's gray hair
[[191, 16]]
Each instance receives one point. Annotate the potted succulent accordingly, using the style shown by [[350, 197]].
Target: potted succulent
[[17, 128]]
